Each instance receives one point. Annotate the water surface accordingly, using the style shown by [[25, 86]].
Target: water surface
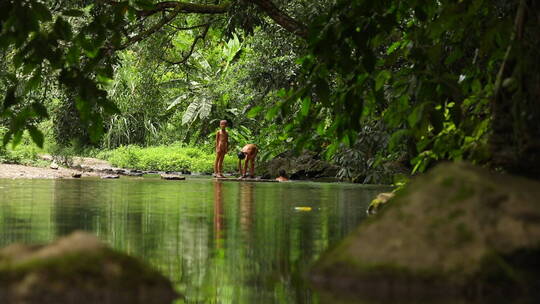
[[219, 242]]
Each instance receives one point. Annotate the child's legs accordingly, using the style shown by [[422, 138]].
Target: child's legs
[[219, 159], [220, 163], [252, 166], [216, 163], [244, 168]]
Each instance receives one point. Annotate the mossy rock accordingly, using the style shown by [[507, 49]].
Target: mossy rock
[[78, 269], [457, 231]]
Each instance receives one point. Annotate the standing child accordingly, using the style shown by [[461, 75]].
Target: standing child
[[222, 144]]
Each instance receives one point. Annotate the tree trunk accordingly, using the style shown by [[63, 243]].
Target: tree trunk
[[515, 137]]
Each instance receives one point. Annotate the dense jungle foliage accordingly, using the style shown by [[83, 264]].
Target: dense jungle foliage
[[377, 87]]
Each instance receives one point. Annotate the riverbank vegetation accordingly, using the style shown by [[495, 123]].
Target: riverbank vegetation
[[26, 153], [374, 88], [166, 158]]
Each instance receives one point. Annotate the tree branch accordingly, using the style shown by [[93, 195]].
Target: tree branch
[[282, 18], [189, 27], [185, 7], [192, 48], [151, 30]]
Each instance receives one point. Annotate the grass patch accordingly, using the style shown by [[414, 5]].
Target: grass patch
[[166, 158]]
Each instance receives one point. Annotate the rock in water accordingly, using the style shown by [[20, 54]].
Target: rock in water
[[110, 177], [379, 202], [456, 231], [172, 177], [78, 269]]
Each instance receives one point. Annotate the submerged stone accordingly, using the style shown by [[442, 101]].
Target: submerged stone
[[457, 231], [78, 269]]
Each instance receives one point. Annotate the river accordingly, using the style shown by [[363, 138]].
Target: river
[[219, 242]]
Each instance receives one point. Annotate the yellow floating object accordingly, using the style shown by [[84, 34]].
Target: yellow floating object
[[302, 208]]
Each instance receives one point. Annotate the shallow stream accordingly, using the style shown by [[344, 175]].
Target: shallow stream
[[219, 242]]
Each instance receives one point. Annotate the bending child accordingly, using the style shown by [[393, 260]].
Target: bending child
[[248, 152]]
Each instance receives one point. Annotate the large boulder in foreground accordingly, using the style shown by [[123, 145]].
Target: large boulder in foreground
[[457, 231], [78, 269]]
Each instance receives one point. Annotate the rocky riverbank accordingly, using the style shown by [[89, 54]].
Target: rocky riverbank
[[78, 167], [20, 171], [304, 167]]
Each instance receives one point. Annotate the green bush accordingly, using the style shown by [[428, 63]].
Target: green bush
[[25, 153], [166, 158]]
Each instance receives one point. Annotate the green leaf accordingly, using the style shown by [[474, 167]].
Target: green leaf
[[331, 150], [416, 115], [63, 29], [476, 86], [104, 80], [109, 106], [37, 136], [10, 98], [306, 105], [73, 55], [73, 13], [381, 79], [254, 111], [96, 129], [191, 112], [176, 101], [206, 108], [17, 137], [7, 138], [397, 138], [393, 47], [40, 109], [32, 83], [368, 61], [272, 113], [321, 128], [454, 55], [91, 49], [41, 11]]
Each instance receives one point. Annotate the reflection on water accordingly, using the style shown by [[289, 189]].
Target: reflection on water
[[220, 242]]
